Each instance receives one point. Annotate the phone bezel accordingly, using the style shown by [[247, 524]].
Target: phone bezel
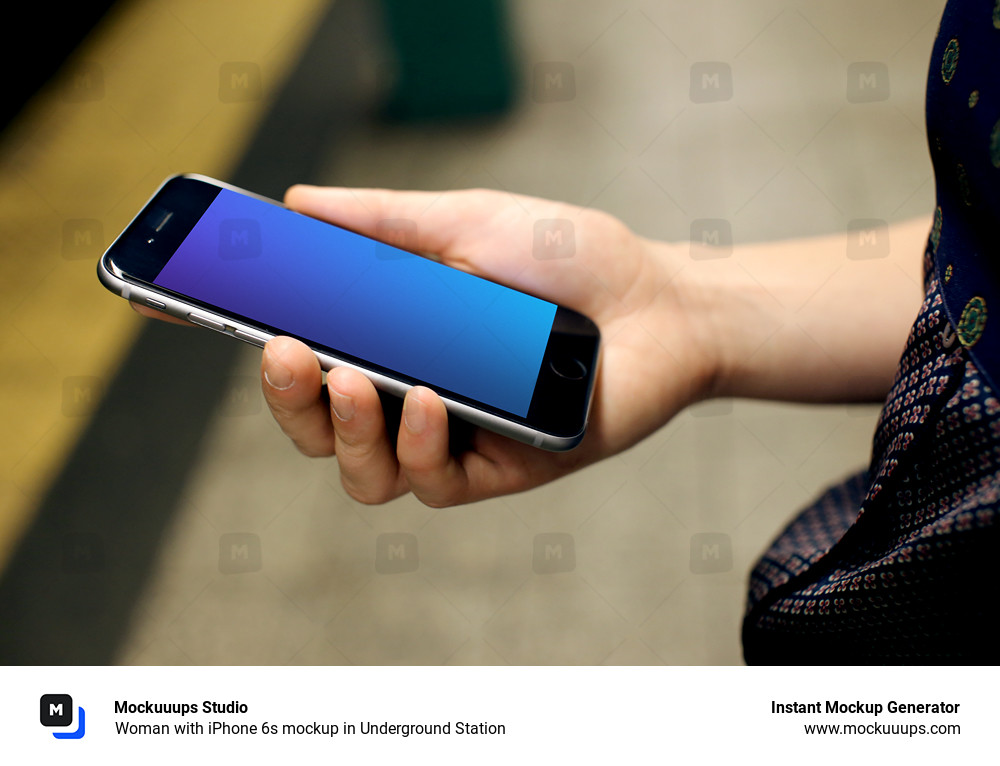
[[559, 409]]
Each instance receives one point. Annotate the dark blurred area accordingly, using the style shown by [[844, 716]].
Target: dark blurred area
[[69, 592], [449, 58], [49, 36]]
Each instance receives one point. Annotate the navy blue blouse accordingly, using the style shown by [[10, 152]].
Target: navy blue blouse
[[898, 564]]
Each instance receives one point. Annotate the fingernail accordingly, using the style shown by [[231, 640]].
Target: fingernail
[[277, 375], [342, 404], [414, 414]]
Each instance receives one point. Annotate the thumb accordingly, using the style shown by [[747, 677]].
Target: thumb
[[412, 220]]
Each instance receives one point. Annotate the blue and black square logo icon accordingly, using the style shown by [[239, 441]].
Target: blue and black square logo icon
[[56, 710]]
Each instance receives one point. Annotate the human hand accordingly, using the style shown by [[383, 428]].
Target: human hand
[[654, 362]]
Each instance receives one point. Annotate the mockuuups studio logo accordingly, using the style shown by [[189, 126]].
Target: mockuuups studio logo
[[85, 83], [82, 238], [867, 238], [711, 81], [396, 552], [867, 81], [239, 238], [711, 238], [241, 396], [239, 552], [83, 553], [711, 553], [81, 394], [553, 552], [56, 711], [553, 238], [239, 81], [553, 81], [393, 236]]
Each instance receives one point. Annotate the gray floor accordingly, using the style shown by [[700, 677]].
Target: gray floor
[[642, 559]]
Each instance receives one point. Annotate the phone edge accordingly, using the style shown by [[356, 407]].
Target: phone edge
[[118, 285]]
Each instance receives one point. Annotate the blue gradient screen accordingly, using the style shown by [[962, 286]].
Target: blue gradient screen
[[359, 297]]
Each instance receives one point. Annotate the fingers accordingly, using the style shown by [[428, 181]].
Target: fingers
[[350, 424], [428, 221], [368, 467], [371, 469], [154, 314], [485, 232], [292, 383], [432, 473]]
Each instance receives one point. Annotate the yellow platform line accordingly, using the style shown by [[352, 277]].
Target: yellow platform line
[[160, 87]]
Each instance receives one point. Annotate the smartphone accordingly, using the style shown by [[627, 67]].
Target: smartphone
[[246, 266]]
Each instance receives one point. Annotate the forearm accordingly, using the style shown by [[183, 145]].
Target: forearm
[[800, 321]]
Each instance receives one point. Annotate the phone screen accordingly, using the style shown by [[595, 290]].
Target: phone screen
[[363, 298]]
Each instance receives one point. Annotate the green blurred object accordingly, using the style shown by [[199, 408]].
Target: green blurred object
[[453, 59]]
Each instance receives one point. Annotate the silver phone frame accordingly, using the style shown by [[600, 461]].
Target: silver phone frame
[[115, 281]]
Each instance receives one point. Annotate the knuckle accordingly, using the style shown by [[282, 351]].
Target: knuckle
[[360, 446], [366, 495], [438, 498], [436, 503], [357, 450], [310, 450], [280, 411]]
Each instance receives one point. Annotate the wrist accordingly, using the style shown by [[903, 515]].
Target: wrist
[[796, 320], [715, 306]]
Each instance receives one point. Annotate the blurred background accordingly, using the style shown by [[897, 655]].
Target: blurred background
[[150, 510]]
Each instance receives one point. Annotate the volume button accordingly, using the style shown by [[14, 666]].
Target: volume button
[[256, 340], [211, 324]]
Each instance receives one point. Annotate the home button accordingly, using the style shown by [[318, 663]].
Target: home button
[[568, 367]]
